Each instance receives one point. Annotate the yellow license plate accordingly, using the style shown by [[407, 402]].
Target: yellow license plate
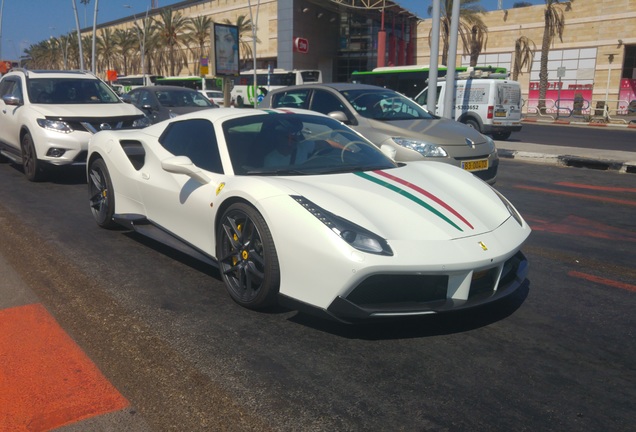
[[475, 165], [500, 113]]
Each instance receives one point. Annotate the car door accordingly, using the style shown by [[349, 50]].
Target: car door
[[9, 122], [176, 202]]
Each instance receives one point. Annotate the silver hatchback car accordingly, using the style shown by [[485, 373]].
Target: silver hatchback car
[[386, 117]]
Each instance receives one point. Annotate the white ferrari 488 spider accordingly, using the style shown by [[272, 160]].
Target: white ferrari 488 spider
[[296, 208]]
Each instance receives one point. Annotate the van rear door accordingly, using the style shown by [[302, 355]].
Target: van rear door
[[507, 102]]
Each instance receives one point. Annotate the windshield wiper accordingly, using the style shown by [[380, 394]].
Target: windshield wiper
[[275, 172]]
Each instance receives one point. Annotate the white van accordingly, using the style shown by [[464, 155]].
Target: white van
[[492, 106]]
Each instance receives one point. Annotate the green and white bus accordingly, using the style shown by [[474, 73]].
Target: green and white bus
[[409, 80], [266, 80]]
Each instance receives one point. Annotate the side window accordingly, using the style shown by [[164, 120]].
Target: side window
[[10, 87], [325, 102], [195, 139], [291, 99]]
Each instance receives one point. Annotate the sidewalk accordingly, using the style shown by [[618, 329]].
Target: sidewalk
[[622, 161]]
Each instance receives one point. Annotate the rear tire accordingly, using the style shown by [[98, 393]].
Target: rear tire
[[33, 168]]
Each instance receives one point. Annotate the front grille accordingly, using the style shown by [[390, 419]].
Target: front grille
[[399, 289], [93, 124]]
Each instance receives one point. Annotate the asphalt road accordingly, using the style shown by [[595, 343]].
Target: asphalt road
[[558, 355]]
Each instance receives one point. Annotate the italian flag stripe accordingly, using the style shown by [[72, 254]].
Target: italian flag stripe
[[426, 194], [408, 195]]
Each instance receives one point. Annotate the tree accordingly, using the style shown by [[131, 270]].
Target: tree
[[199, 33], [523, 56], [554, 20], [125, 42], [476, 42], [469, 19], [171, 29]]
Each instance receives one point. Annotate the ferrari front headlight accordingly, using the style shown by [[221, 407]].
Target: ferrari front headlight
[[424, 148], [358, 237]]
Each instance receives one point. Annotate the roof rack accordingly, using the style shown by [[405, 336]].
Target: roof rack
[[476, 74]]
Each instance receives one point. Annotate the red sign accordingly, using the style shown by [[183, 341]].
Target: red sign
[[301, 45]]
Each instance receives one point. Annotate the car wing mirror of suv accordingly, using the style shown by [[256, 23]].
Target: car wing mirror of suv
[[12, 100]]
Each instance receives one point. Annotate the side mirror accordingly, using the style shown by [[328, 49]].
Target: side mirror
[[183, 165], [339, 115], [12, 100]]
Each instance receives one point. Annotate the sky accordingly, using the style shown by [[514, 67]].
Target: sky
[[28, 22]]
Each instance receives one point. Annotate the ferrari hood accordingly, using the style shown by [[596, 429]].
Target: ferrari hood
[[418, 201], [440, 131]]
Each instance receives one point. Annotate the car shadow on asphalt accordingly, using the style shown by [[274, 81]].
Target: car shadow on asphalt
[[424, 326], [62, 175], [402, 328]]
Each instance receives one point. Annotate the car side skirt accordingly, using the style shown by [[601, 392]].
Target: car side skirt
[[145, 227]]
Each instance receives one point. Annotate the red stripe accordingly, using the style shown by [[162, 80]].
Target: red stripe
[[578, 195], [608, 282], [597, 188], [426, 194]]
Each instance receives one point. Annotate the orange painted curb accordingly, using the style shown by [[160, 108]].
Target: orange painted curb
[[47, 380]]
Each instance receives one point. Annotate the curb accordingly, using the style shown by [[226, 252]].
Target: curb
[[569, 161]]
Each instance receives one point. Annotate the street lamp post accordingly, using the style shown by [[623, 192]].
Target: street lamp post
[[254, 24]]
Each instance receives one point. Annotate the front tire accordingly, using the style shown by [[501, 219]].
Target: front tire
[[101, 194], [472, 124], [33, 168], [247, 257]]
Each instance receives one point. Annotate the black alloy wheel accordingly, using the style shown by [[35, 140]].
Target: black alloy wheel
[[247, 257], [101, 194]]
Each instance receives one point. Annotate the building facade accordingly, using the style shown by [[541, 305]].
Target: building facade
[[595, 61]]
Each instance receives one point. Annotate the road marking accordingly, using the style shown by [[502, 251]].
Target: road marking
[[47, 380], [597, 188], [577, 195], [603, 281]]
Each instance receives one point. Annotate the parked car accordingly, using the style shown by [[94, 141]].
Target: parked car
[[48, 117], [215, 96], [386, 117], [329, 224], [490, 105], [164, 102]]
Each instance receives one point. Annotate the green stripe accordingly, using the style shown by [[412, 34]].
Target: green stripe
[[409, 196]]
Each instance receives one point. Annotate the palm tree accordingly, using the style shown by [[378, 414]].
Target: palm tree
[[469, 20], [244, 25], [199, 33], [171, 29], [125, 42], [554, 20], [476, 41], [106, 47], [523, 56]]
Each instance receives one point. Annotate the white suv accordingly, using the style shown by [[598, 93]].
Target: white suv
[[48, 117]]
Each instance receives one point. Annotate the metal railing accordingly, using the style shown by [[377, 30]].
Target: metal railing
[[596, 110]]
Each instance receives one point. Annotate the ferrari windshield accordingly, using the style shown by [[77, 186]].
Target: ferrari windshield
[[384, 104], [298, 144]]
